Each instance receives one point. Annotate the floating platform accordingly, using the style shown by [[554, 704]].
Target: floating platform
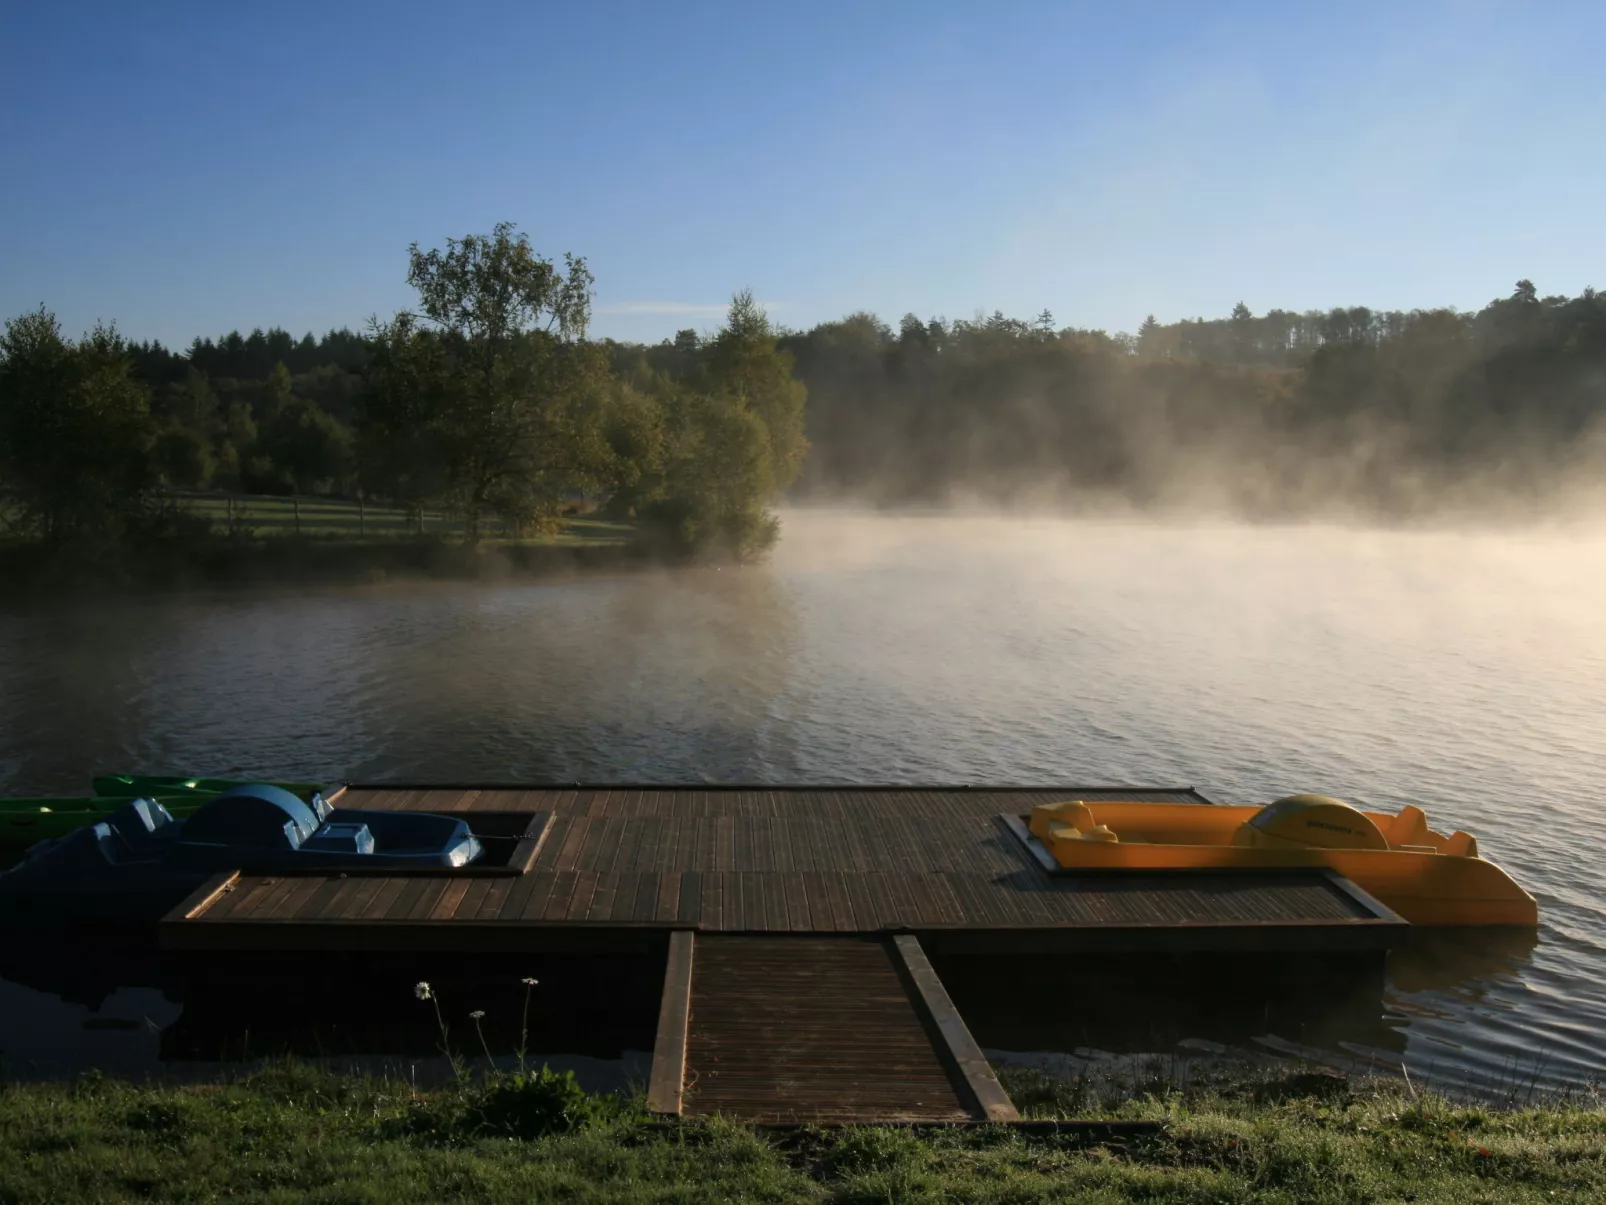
[[592, 868], [794, 923]]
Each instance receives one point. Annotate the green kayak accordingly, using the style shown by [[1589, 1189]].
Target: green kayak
[[146, 786], [24, 821], [28, 820]]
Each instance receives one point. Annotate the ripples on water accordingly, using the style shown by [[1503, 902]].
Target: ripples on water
[[1463, 672]]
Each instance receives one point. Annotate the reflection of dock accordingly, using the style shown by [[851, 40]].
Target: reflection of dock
[[622, 869]]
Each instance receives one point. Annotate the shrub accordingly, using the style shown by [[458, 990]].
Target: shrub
[[536, 1103]]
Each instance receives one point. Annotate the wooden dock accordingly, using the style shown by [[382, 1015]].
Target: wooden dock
[[797, 923], [815, 1029], [608, 863]]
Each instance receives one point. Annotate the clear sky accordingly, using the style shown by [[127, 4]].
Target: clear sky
[[188, 169]]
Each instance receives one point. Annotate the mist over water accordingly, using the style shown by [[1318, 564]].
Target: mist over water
[[1464, 671]]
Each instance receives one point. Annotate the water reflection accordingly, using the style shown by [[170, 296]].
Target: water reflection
[[1464, 672], [1152, 1002], [653, 676], [1460, 962], [343, 1004], [79, 967], [1439, 1006], [74, 1000]]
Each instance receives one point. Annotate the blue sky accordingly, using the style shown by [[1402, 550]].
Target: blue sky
[[188, 169]]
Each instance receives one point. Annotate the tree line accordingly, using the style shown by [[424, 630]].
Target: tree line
[[486, 400], [1370, 411], [489, 400]]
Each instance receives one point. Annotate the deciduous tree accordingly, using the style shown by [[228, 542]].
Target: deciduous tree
[[492, 380], [74, 432]]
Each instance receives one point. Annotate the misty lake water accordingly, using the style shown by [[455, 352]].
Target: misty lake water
[[1463, 671]]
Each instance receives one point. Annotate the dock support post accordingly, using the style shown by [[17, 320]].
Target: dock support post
[[668, 1080]]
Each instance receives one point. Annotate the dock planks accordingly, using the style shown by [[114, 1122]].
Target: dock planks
[[941, 862], [797, 922], [812, 1029]]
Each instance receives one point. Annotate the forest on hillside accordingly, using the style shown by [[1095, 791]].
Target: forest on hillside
[[491, 401]]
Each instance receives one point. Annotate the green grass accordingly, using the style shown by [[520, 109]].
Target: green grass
[[270, 545], [340, 518], [293, 1133]]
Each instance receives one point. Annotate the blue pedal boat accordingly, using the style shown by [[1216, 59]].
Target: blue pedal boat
[[138, 861]]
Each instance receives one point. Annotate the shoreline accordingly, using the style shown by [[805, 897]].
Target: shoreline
[[30, 572], [291, 1129]]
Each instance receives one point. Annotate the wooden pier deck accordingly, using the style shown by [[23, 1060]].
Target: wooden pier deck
[[604, 865], [797, 923]]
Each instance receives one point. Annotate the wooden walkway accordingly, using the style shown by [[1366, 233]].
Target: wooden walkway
[[815, 1029], [796, 921], [606, 863]]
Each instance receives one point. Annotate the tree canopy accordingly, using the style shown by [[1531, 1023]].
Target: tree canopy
[[732, 416], [74, 433], [489, 397], [489, 400], [1350, 408]]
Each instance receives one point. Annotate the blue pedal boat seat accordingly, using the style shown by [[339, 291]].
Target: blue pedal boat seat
[[139, 860]]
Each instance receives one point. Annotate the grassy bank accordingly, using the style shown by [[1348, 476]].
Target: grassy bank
[[254, 540], [292, 561], [324, 550], [297, 1134]]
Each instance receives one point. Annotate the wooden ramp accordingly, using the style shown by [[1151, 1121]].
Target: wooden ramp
[[815, 1029]]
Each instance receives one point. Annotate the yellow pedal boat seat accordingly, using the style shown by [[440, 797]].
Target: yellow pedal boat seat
[[1309, 822], [1068, 821]]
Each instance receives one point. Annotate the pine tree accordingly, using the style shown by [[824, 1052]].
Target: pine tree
[[1149, 337]]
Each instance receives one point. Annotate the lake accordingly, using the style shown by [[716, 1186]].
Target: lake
[[1464, 671]]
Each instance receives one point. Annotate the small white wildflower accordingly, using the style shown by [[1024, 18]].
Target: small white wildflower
[[529, 982], [477, 1013], [421, 991]]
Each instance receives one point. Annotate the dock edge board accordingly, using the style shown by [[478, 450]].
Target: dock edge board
[[977, 1073], [1072, 789], [666, 1085]]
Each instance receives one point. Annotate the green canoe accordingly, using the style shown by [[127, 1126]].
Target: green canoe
[[24, 821], [146, 786]]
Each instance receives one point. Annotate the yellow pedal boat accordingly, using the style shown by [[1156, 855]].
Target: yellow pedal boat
[[1426, 877]]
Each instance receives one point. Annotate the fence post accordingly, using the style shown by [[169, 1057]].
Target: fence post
[[231, 514], [360, 531], [295, 506]]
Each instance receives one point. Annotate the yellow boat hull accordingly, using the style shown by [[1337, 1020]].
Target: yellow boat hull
[[1426, 883]]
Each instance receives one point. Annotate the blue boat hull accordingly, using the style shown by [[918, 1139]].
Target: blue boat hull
[[139, 863]]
